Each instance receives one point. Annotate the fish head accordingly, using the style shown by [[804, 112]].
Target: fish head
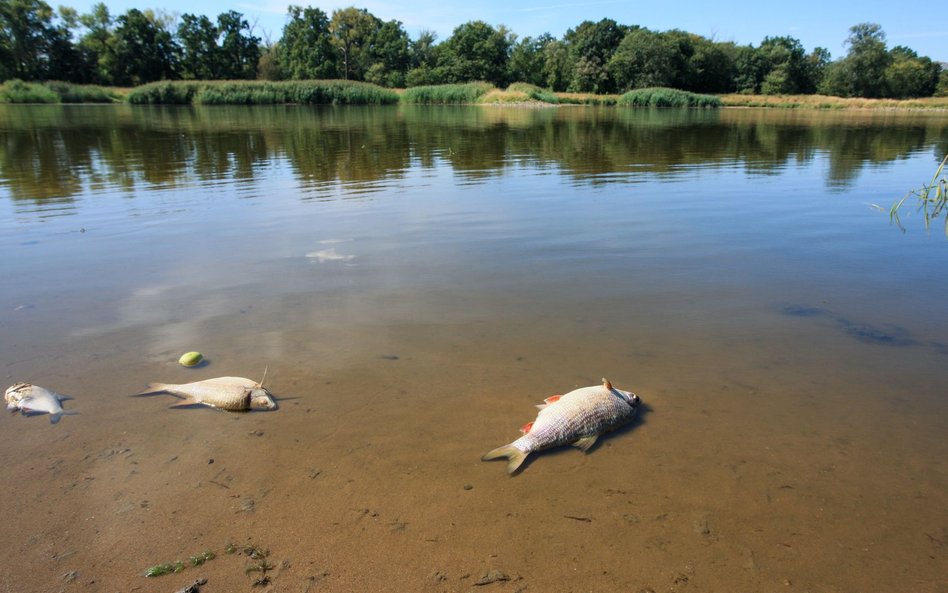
[[630, 398], [15, 394], [261, 399]]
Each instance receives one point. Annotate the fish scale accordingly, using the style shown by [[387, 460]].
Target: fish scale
[[577, 418]]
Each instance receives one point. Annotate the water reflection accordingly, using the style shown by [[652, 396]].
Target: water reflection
[[49, 155]]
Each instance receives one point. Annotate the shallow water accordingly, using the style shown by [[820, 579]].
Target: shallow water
[[415, 280]]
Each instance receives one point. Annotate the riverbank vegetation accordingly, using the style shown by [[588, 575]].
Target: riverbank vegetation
[[247, 92], [592, 60], [18, 91]]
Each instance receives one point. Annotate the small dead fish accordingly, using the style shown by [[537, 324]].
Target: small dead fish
[[577, 418], [33, 399], [235, 394]]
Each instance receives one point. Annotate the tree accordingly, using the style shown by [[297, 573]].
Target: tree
[[95, 47], [200, 55], [32, 46], [476, 51], [909, 75], [305, 48], [352, 30], [527, 59], [867, 60], [646, 58], [712, 66], [238, 53], [591, 46], [389, 55], [144, 51], [557, 67]]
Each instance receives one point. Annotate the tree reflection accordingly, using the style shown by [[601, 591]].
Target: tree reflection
[[59, 152]]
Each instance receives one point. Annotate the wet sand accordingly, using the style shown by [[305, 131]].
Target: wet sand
[[749, 470]]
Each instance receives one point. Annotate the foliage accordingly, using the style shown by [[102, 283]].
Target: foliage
[[590, 47], [324, 92], [306, 49], [666, 97], [17, 91], [534, 92], [143, 49], [446, 93], [476, 51], [644, 59], [38, 43], [164, 93], [83, 93]]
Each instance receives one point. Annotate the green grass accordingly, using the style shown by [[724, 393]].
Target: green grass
[[666, 97], [254, 92], [444, 94], [83, 93], [17, 91], [534, 92]]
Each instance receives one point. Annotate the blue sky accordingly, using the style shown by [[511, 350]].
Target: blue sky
[[921, 25]]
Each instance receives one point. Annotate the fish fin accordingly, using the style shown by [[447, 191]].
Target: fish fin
[[55, 417], [541, 406], [186, 401], [552, 399], [586, 442], [153, 389], [607, 383], [514, 456], [526, 427]]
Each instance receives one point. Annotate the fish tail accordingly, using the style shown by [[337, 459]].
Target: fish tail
[[514, 456], [153, 389], [55, 417]]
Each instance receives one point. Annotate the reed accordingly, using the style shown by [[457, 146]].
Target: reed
[[586, 99], [828, 102], [932, 200], [666, 97], [253, 92], [83, 93], [446, 94], [17, 91]]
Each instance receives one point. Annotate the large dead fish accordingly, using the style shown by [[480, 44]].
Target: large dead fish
[[33, 399], [235, 394], [577, 418]]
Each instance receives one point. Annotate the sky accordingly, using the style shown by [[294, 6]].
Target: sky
[[921, 25]]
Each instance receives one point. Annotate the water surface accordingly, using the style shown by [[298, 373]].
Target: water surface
[[416, 279]]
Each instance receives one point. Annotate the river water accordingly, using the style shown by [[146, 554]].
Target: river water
[[414, 280]]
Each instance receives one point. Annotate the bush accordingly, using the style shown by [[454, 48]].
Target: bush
[[82, 93], [666, 97], [163, 93], [17, 91], [446, 93]]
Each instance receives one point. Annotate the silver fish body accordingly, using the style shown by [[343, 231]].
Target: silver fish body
[[576, 418], [33, 399], [235, 394]]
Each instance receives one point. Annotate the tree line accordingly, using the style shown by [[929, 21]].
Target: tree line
[[38, 43]]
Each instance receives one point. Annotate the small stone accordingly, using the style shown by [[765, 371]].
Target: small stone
[[468, 487], [493, 576]]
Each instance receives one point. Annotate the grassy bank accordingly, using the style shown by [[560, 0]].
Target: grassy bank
[[666, 97], [827, 102], [447, 94], [254, 92], [17, 91]]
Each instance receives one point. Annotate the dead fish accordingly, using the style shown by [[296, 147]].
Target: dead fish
[[577, 418], [235, 394], [33, 399]]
